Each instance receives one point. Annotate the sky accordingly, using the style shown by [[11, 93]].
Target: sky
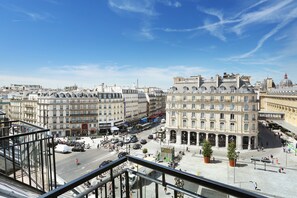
[[57, 43]]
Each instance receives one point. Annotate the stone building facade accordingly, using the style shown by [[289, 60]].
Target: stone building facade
[[221, 109]]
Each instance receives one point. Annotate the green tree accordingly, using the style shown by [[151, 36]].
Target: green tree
[[206, 149], [231, 154]]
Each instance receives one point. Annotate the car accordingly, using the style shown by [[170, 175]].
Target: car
[[104, 163], [134, 139], [78, 148], [122, 154], [143, 141], [127, 141], [114, 140], [150, 136], [120, 143], [137, 146]]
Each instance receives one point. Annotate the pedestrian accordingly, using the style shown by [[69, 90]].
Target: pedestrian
[[165, 190], [97, 146], [200, 152], [76, 161]]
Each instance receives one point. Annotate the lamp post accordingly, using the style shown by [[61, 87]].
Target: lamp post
[[237, 157]]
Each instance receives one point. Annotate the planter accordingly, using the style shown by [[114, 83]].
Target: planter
[[206, 160], [232, 162]]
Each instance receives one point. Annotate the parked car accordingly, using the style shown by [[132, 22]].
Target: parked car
[[143, 141], [134, 139], [78, 148], [104, 163], [127, 141], [137, 146], [120, 143], [114, 140], [122, 154], [150, 136], [62, 148]]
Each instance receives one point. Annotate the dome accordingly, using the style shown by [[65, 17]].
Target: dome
[[286, 82]]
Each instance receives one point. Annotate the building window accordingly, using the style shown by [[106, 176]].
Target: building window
[[221, 106], [193, 115], [245, 98], [246, 116], [193, 106], [193, 98], [232, 126], [211, 116], [232, 116], [232, 106], [222, 126], [184, 106], [185, 97], [202, 115], [222, 116], [184, 114], [173, 105], [202, 98], [222, 98], [211, 125], [173, 122], [173, 98], [253, 127], [173, 113], [212, 98], [202, 106], [246, 107], [193, 124], [246, 127], [232, 98], [184, 123], [202, 125], [254, 117], [212, 106], [254, 107]]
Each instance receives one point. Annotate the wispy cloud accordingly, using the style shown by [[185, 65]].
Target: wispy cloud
[[268, 14], [170, 3], [26, 15], [145, 7], [291, 16]]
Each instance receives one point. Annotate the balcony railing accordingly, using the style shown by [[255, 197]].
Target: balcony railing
[[27, 155], [146, 177]]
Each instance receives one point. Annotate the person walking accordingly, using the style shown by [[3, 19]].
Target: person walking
[[77, 161]]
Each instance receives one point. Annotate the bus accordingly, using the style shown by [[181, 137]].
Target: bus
[[146, 126]]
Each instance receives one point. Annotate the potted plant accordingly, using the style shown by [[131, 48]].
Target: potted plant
[[144, 151], [231, 154], [206, 151]]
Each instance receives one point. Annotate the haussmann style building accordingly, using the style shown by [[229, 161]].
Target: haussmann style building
[[220, 109]]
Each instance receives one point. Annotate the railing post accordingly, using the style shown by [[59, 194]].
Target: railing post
[[54, 162], [127, 184], [13, 159], [112, 183], [140, 187], [156, 190], [42, 164], [28, 165]]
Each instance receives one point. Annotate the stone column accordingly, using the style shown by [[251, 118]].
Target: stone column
[[227, 141], [189, 137], [239, 142], [178, 137], [217, 140], [249, 143]]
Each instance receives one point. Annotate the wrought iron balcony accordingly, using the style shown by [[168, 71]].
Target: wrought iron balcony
[[119, 179], [27, 155]]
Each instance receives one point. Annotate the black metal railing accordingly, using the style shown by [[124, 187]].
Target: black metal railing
[[139, 178], [27, 154]]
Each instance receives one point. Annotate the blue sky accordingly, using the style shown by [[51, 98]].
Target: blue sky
[[88, 42]]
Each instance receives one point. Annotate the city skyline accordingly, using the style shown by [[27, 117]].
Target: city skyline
[[57, 44]]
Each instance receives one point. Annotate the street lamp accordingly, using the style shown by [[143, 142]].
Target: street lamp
[[237, 157]]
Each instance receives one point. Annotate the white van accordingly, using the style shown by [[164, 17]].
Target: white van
[[62, 148]]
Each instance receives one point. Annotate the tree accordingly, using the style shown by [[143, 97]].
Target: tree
[[231, 154], [206, 149], [144, 150]]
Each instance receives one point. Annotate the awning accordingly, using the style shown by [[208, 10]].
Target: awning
[[113, 128]]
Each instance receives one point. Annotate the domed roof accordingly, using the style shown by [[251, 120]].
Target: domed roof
[[286, 82]]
